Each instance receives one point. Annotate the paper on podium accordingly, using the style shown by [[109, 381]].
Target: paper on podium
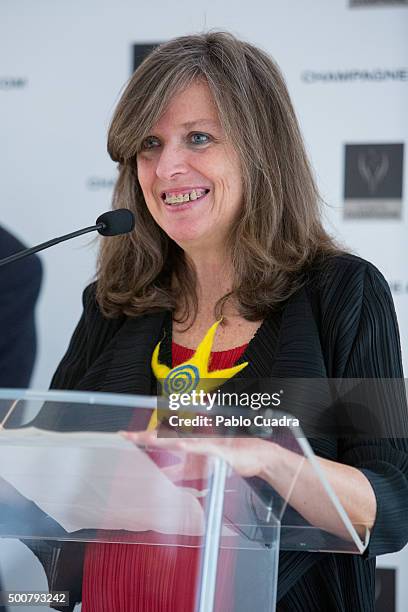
[[96, 481]]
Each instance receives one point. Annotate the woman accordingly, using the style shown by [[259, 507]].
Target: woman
[[212, 163]]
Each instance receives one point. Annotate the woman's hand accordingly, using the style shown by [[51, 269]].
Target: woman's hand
[[246, 456], [289, 473]]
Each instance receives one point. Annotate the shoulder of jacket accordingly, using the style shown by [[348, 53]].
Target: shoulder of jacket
[[98, 329], [92, 311], [343, 270], [339, 287], [89, 297]]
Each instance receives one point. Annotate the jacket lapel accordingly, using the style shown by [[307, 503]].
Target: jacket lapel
[[130, 370], [287, 345], [124, 365], [299, 353]]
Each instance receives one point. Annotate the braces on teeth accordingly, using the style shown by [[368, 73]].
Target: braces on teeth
[[186, 197]]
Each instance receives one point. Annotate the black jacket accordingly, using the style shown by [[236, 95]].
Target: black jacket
[[19, 287], [341, 324]]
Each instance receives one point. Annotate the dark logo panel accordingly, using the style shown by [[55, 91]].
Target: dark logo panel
[[385, 590], [141, 51], [373, 180]]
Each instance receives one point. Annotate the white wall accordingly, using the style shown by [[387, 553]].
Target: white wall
[[75, 56]]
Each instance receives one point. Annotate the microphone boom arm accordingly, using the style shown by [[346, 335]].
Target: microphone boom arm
[[49, 243]]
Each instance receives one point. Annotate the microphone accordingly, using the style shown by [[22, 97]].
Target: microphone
[[115, 222], [111, 223]]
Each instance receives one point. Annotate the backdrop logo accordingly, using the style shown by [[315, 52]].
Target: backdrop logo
[[140, 51], [7, 83], [373, 181], [97, 183], [378, 3], [399, 287], [385, 599], [361, 75]]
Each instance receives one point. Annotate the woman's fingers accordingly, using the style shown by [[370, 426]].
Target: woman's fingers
[[139, 437], [242, 455], [191, 467], [150, 438]]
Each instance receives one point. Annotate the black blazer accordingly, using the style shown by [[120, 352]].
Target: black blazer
[[342, 323], [19, 288]]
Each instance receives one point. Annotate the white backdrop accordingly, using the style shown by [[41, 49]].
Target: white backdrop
[[63, 64]]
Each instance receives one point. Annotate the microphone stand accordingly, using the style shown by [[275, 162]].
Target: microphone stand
[[49, 243]]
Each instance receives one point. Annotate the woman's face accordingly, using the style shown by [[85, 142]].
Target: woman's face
[[190, 175]]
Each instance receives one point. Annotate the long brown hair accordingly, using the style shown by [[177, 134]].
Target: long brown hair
[[279, 233]]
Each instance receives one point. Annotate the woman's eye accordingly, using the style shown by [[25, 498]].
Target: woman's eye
[[199, 138], [149, 143]]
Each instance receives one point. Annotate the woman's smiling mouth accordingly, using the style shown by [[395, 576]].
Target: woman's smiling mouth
[[183, 199]]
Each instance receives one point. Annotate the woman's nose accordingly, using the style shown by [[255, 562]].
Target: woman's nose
[[172, 161]]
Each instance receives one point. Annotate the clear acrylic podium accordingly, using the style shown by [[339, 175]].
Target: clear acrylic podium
[[67, 475]]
